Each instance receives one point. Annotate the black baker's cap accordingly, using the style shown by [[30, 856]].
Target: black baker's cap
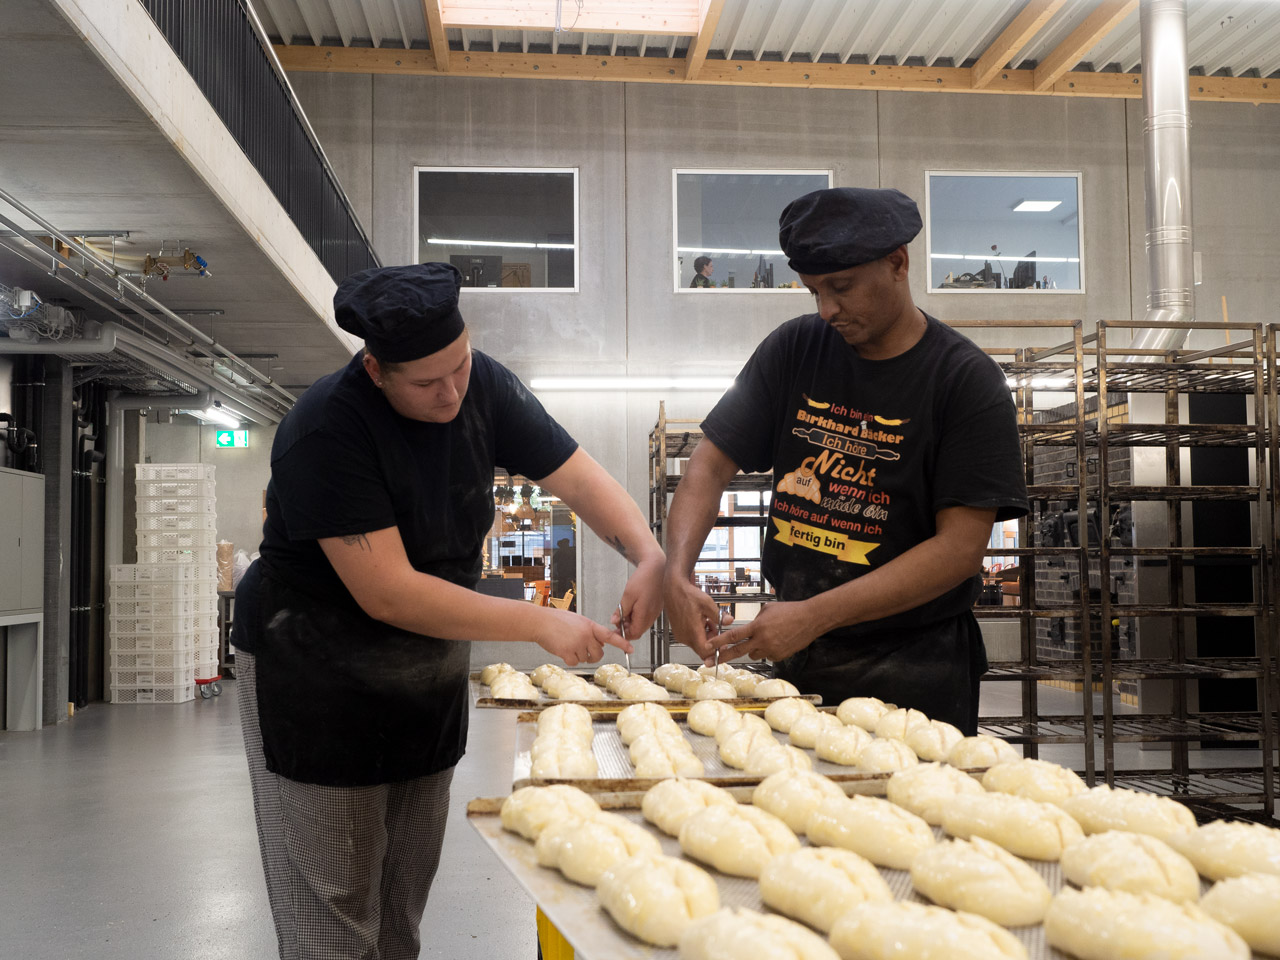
[[402, 313], [830, 230]]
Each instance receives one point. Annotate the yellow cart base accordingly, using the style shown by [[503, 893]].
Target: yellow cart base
[[550, 942]]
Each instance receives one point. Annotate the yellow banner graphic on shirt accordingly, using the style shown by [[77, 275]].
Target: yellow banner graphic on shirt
[[802, 535]]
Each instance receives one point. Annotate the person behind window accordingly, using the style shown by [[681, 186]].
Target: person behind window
[[702, 268]]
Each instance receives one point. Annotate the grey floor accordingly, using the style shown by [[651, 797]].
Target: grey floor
[[127, 834]]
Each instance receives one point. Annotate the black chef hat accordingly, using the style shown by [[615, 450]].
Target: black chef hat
[[830, 230], [402, 313]]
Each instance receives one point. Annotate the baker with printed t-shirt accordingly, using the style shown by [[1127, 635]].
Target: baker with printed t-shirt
[[894, 448], [352, 628]]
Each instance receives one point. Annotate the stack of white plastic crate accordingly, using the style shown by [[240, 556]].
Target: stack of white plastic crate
[[164, 608]]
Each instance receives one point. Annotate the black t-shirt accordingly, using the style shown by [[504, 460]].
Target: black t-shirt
[[866, 452], [700, 281], [345, 699]]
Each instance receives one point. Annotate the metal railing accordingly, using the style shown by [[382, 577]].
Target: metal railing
[[223, 47]]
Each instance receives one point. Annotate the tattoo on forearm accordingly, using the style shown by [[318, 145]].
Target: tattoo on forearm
[[618, 545], [357, 538]]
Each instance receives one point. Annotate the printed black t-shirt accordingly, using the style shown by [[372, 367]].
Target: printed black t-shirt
[[866, 452], [345, 699]]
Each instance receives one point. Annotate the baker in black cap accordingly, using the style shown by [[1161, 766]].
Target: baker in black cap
[[352, 629], [894, 448]]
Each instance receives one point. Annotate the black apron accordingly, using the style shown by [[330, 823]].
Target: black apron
[[934, 668]]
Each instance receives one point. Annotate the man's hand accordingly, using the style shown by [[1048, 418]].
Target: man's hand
[[641, 598], [573, 638], [780, 630], [693, 615]]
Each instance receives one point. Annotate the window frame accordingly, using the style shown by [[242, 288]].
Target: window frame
[[419, 169]]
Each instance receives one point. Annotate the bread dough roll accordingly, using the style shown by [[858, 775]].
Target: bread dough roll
[[1133, 862], [776, 687], [884, 833], [657, 755], [667, 805], [1105, 808], [744, 934], [638, 688], [655, 897], [782, 713], [841, 745], [705, 716], [671, 675], [928, 788], [529, 810], [738, 745], [553, 683], [792, 795], [1249, 905], [746, 682], [689, 685], [884, 756], [562, 755], [765, 759], [583, 848], [512, 686], [1034, 779], [1223, 849], [933, 741], [607, 671], [1099, 924], [740, 721], [644, 718], [715, 690], [914, 931], [737, 840], [1027, 828], [542, 673], [570, 719], [896, 722], [492, 670], [982, 878], [863, 712], [819, 884], [804, 731], [570, 687], [983, 750]]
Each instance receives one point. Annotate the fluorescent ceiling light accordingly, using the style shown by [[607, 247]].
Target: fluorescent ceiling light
[[1001, 256], [214, 415], [522, 244], [622, 384], [1036, 206], [730, 251]]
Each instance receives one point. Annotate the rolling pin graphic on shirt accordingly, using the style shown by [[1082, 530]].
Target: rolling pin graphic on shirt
[[854, 447]]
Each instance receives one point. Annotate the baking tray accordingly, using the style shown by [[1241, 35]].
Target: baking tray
[[480, 697], [614, 758], [577, 914]]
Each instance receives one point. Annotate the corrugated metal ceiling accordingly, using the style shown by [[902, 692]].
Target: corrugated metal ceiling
[[1223, 36]]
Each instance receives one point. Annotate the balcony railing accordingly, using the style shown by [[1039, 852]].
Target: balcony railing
[[221, 44]]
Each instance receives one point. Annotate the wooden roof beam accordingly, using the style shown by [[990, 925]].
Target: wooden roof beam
[[1083, 38], [1013, 38], [660, 17], [436, 35], [696, 55]]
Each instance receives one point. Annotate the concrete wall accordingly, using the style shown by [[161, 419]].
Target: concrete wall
[[626, 139]]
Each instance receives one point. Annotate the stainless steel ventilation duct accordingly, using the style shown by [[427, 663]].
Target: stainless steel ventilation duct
[[1167, 151]]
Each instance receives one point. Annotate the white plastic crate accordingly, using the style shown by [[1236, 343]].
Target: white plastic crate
[[152, 489], [164, 590], [156, 626], [177, 539], [180, 522], [181, 659], [152, 677], [189, 607], [148, 506], [158, 642], [172, 572], [154, 694], [204, 557], [173, 471]]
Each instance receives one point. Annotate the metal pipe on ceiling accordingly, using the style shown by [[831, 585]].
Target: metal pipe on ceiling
[[1166, 110]]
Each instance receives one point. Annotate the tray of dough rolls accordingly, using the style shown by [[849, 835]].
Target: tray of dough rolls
[[722, 741], [499, 685], [622, 880]]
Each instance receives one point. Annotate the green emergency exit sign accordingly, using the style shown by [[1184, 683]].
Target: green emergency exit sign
[[231, 438]]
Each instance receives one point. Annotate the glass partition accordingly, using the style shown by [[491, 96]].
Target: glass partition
[[1004, 232], [726, 227], [533, 543], [504, 228]]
